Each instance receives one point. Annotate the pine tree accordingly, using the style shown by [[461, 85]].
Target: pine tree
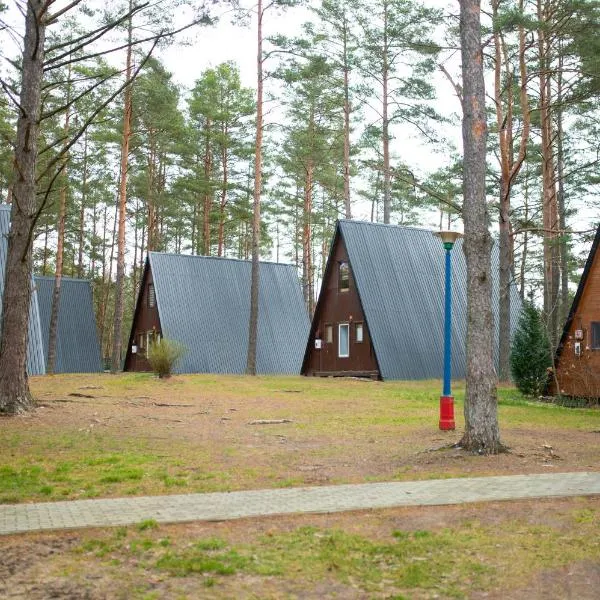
[[530, 355]]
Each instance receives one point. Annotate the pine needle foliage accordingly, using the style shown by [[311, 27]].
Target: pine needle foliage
[[530, 353]]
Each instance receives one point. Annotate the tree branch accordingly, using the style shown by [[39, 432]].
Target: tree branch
[[98, 110]]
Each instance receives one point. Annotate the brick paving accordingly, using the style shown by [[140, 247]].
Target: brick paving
[[73, 514]]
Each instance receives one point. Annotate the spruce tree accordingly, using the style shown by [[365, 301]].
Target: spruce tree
[[530, 352]]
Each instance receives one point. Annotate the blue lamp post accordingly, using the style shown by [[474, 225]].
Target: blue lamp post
[[446, 399]]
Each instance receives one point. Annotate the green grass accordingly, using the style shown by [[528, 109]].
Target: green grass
[[334, 422], [454, 561]]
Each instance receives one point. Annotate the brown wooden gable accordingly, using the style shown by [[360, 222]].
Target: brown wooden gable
[[577, 359], [146, 319], [337, 307]]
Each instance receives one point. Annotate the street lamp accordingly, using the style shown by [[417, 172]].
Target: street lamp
[[446, 399]]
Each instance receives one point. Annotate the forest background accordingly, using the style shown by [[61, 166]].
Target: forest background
[[362, 120]]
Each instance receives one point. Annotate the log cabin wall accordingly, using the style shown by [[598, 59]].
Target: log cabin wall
[[339, 313], [578, 357], [146, 326]]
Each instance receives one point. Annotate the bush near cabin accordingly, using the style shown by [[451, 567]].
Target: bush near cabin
[[163, 355], [530, 355]]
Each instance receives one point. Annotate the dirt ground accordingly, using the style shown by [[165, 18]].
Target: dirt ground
[[321, 441], [37, 566]]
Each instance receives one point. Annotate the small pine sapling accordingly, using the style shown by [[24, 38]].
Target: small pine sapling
[[530, 355]]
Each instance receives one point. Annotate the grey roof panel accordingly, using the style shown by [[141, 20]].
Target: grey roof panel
[[35, 349], [399, 274], [204, 303], [77, 345]]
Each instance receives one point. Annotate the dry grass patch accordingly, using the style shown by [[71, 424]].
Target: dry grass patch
[[133, 434], [497, 550]]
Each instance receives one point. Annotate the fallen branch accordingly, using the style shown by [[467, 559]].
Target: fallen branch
[[269, 421]]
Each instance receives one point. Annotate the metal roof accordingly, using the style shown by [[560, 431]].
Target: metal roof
[[77, 346], [399, 275], [204, 303], [35, 349]]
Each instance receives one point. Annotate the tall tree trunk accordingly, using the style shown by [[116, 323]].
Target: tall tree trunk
[[549, 200], [46, 249], [481, 419], [346, 67], [134, 268], [307, 285], [562, 209], [83, 206], [224, 184], [509, 168], [120, 282], [150, 194], [15, 396], [387, 181], [254, 284], [60, 246], [194, 221], [208, 192]]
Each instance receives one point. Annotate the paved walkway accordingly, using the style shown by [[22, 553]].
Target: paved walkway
[[17, 518]]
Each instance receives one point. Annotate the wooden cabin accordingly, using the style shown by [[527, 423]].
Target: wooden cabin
[[380, 311], [577, 358], [204, 304]]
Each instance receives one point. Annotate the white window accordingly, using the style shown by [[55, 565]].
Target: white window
[[359, 333], [344, 340], [151, 296], [329, 334]]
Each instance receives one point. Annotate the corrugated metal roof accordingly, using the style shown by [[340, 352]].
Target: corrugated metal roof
[[399, 274], [35, 349], [204, 303], [77, 346]]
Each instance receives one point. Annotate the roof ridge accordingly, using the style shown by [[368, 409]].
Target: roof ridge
[[63, 278], [241, 260], [390, 225]]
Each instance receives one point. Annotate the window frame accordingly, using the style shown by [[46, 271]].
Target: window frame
[[328, 334], [151, 297], [343, 267], [360, 325], [347, 327], [595, 335]]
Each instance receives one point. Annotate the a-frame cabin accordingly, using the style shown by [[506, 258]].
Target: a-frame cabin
[[577, 358], [380, 311], [203, 303]]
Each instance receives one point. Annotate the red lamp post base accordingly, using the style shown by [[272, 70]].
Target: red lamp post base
[[447, 413]]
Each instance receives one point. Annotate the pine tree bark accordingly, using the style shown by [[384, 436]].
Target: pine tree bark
[[120, 283], [307, 285], [481, 419], [208, 192], [254, 281], [387, 180], [549, 197], [562, 207], [509, 168], [83, 207], [15, 396], [224, 185], [346, 67], [60, 248]]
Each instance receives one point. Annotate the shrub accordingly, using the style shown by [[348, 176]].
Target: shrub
[[163, 356], [530, 355]]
